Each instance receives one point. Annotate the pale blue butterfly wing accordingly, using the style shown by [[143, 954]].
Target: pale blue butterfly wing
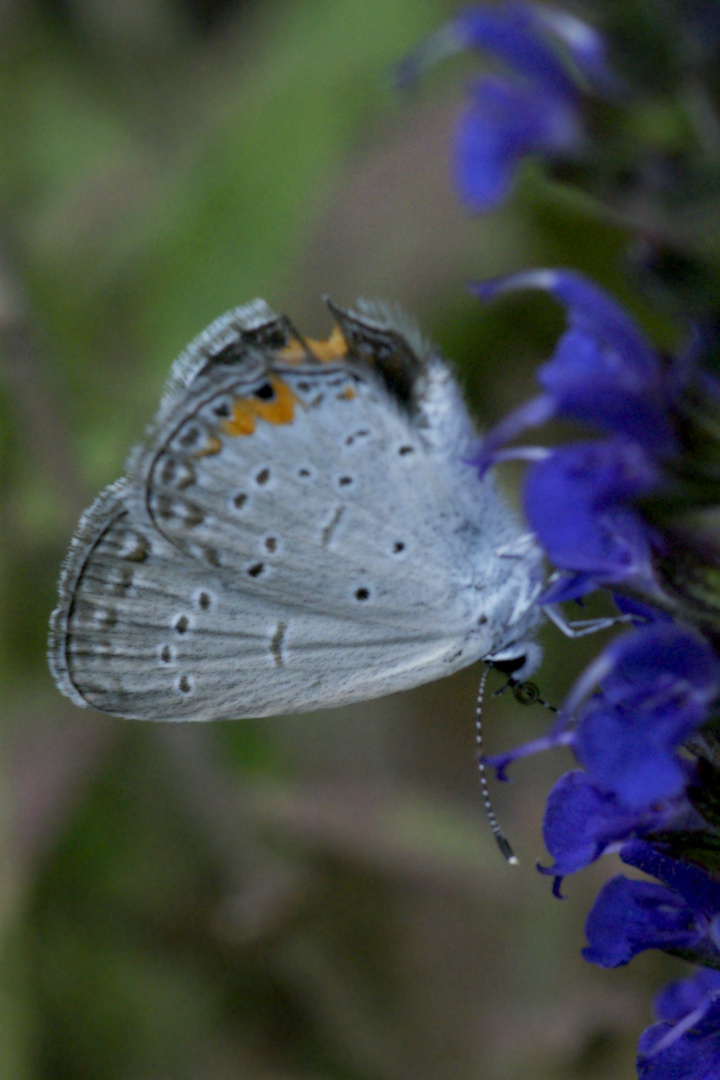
[[298, 530]]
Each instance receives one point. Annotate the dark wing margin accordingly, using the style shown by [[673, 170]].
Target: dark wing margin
[[107, 509]]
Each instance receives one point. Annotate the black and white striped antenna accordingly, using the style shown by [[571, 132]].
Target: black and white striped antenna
[[502, 841], [525, 693]]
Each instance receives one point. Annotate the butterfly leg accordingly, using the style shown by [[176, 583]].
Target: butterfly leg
[[580, 627]]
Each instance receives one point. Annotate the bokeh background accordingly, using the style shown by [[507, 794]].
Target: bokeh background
[[307, 897]]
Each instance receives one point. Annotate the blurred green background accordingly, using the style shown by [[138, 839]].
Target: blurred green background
[[304, 897]]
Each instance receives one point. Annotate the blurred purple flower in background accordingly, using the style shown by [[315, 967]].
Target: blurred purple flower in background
[[535, 109]]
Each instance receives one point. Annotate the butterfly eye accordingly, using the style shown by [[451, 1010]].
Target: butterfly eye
[[509, 667]]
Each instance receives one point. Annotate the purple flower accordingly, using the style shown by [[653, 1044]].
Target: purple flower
[[588, 504], [519, 35], [604, 372], [658, 663], [687, 995], [503, 122], [582, 500], [698, 889], [642, 613], [685, 1045], [593, 529], [536, 110], [657, 683], [678, 915], [581, 822], [620, 512], [633, 754], [560, 735], [631, 916]]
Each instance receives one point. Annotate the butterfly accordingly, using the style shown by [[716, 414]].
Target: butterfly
[[301, 527]]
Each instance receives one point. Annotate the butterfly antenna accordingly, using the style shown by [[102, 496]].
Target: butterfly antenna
[[502, 841]]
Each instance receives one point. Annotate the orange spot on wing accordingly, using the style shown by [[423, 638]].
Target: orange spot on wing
[[248, 410], [243, 418], [333, 348], [347, 394], [281, 409]]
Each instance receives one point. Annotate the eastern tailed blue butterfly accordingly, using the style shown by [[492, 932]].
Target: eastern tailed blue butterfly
[[300, 528]]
